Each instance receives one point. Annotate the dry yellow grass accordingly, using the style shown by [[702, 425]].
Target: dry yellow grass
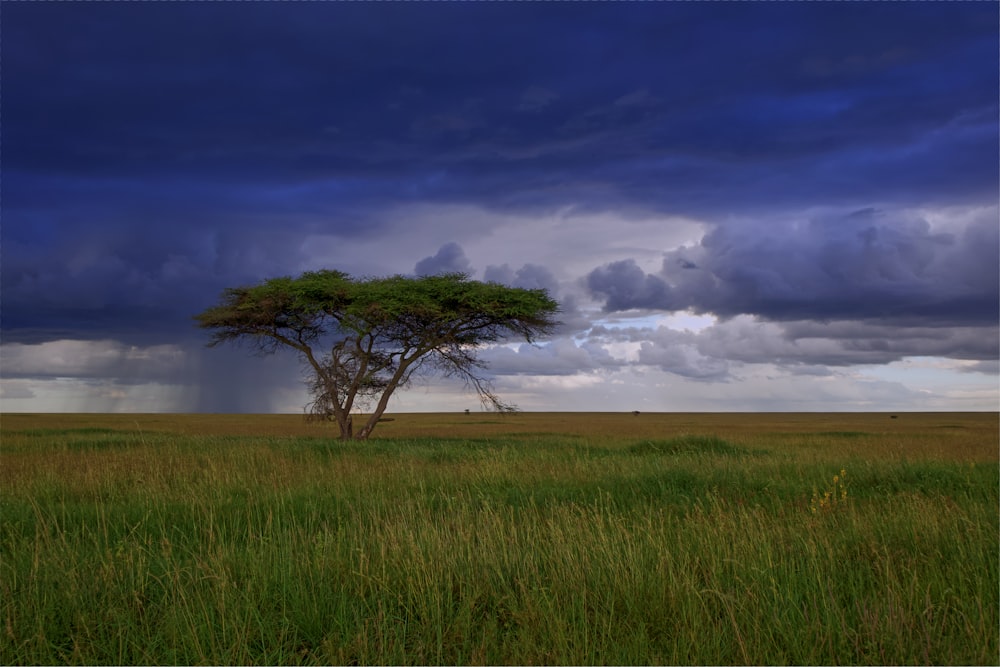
[[969, 436]]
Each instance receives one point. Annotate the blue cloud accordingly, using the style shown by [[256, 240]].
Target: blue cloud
[[156, 153]]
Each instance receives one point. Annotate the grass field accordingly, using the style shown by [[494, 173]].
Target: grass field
[[529, 538]]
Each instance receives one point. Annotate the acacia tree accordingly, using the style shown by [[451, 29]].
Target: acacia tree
[[362, 339]]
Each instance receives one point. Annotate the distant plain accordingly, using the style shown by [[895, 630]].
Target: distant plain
[[556, 538]]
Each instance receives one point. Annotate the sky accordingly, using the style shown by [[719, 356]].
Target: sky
[[738, 206]]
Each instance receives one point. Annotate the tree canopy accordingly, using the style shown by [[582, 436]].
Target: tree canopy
[[364, 338]]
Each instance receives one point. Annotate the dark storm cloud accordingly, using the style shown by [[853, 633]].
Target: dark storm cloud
[[382, 96], [139, 283], [857, 267], [625, 286], [156, 153]]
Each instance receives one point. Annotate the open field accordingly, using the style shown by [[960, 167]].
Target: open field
[[529, 538]]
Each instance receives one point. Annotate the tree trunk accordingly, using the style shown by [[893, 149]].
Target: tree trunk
[[369, 426], [346, 424], [383, 401]]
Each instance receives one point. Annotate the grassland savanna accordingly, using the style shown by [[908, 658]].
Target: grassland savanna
[[529, 538]]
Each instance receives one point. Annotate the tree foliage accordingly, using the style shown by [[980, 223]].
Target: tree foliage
[[362, 339]]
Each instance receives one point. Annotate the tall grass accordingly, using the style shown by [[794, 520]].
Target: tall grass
[[139, 545]]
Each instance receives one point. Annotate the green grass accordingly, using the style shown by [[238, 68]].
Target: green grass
[[680, 539]]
